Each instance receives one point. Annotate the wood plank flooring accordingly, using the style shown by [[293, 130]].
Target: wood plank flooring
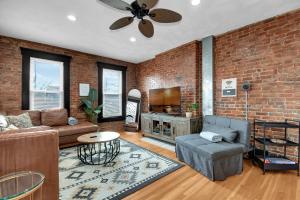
[[187, 184]]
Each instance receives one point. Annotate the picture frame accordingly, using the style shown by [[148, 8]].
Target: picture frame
[[229, 87], [84, 89]]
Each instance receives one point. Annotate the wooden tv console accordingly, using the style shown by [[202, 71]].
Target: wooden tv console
[[167, 127]]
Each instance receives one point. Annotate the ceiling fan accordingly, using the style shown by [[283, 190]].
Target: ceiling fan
[[141, 9]]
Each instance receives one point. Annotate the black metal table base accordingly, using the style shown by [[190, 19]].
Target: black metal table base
[[98, 153]]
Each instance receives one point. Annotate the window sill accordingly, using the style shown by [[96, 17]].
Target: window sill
[[111, 119]]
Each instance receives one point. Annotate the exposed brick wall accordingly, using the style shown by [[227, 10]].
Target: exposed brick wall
[[176, 67], [268, 55], [83, 69]]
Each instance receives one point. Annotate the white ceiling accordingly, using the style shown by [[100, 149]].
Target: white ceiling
[[45, 21]]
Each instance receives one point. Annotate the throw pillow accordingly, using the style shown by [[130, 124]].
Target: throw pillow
[[3, 121], [20, 121], [10, 127], [228, 134]]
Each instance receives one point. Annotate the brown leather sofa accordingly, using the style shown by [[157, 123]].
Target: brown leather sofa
[[57, 119], [37, 148], [32, 149]]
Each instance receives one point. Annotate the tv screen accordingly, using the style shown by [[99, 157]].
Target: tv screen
[[165, 97]]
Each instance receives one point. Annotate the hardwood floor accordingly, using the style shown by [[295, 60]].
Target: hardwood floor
[[187, 184]]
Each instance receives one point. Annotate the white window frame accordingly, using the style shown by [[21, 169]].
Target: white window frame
[[33, 60], [120, 92]]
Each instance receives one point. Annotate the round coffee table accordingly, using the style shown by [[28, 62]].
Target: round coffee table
[[20, 185], [98, 148]]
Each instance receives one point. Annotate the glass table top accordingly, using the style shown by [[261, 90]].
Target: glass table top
[[16, 184]]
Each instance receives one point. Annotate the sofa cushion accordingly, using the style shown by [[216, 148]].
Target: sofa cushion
[[83, 127], [210, 119], [20, 121], [35, 115], [54, 117], [223, 122], [31, 129], [208, 149], [228, 134]]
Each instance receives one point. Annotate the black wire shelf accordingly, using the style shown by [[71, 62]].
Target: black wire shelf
[[267, 141], [268, 161]]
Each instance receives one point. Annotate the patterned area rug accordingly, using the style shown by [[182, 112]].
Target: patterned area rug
[[133, 169], [159, 143]]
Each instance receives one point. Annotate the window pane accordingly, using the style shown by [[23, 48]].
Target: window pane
[[46, 84], [45, 100], [112, 93]]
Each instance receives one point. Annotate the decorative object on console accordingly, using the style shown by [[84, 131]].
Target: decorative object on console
[[133, 110], [72, 121], [195, 108], [140, 9], [168, 109], [20, 121], [84, 89], [90, 107], [229, 87], [188, 112]]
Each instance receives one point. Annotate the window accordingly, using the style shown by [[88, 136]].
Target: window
[[112, 93], [112, 87], [46, 84], [45, 80]]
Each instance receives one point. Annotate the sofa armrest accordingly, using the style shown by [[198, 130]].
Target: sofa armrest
[[32, 151]]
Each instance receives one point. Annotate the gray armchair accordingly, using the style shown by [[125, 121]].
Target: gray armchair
[[215, 160]]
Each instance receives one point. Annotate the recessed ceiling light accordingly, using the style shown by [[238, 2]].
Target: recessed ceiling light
[[71, 18], [195, 2], [132, 39]]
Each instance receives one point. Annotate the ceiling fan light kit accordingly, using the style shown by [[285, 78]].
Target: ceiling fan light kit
[[141, 9]]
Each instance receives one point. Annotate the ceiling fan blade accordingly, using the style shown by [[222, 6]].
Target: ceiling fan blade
[[121, 23], [147, 4], [164, 15], [119, 4], [146, 28]]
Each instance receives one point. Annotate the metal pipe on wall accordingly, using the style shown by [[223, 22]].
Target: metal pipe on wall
[[208, 75]]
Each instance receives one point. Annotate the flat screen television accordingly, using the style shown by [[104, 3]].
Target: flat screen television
[[165, 97]]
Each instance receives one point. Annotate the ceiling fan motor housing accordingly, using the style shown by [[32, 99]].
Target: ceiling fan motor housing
[[138, 11]]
